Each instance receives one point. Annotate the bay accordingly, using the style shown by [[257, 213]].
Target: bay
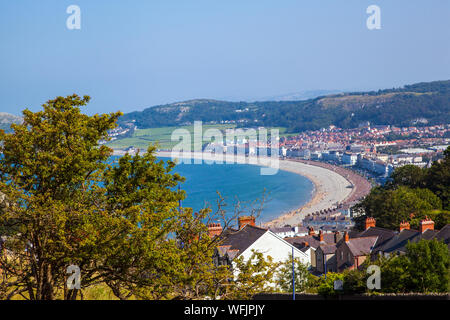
[[285, 190]]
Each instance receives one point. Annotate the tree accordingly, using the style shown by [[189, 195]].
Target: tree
[[390, 207], [251, 276], [429, 265], [303, 278], [49, 173], [355, 280], [438, 179], [326, 284], [424, 268], [410, 176], [440, 217], [394, 274], [64, 201]]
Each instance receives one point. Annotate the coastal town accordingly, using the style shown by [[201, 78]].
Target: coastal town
[[376, 149], [207, 159], [326, 239]]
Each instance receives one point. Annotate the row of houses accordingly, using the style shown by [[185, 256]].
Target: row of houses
[[324, 252], [334, 221], [348, 250]]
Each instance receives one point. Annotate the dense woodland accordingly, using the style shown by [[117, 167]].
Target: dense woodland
[[417, 104]]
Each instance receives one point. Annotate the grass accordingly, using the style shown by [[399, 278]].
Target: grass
[[142, 138]]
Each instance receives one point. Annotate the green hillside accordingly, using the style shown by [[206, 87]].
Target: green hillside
[[421, 103]]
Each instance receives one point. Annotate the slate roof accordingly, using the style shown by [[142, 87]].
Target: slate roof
[[353, 234], [328, 238], [240, 240], [299, 241], [281, 229], [400, 240], [302, 229], [304, 249], [335, 228], [328, 248], [313, 241], [444, 235], [383, 235], [361, 246]]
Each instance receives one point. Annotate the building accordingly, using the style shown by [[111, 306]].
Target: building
[[312, 242], [351, 253], [288, 231], [394, 242], [326, 258], [330, 221], [249, 238], [397, 244], [349, 159]]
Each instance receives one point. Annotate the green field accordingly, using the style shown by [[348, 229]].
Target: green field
[[162, 136], [143, 137]]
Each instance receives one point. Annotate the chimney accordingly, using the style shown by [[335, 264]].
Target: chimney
[[346, 238], [320, 235], [306, 244], [404, 225], [426, 224], [370, 222], [311, 231], [244, 220], [214, 229]]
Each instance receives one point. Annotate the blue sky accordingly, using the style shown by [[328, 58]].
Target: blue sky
[[129, 55]]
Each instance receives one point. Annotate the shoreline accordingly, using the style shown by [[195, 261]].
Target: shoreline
[[330, 187]]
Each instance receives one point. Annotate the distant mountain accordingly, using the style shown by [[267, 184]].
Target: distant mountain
[[420, 103], [6, 119]]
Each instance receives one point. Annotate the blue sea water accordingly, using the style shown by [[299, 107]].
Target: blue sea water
[[285, 190]]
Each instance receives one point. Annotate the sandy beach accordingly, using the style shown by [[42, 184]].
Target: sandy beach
[[330, 187]]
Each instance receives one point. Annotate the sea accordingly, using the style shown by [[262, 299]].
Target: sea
[[243, 183]]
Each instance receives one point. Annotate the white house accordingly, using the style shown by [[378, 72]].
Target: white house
[[249, 238]]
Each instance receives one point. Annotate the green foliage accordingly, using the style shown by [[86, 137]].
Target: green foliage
[[304, 280], [440, 217], [429, 265], [251, 276], [410, 175], [394, 106], [49, 174], [63, 202], [423, 192], [326, 284], [390, 207], [438, 179], [355, 281], [424, 268], [142, 138]]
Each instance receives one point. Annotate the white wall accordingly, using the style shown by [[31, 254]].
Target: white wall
[[270, 244]]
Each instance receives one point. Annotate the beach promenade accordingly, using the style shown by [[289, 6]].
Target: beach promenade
[[333, 185]]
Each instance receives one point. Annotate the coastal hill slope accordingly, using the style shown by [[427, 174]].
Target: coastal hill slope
[[416, 104], [6, 119]]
